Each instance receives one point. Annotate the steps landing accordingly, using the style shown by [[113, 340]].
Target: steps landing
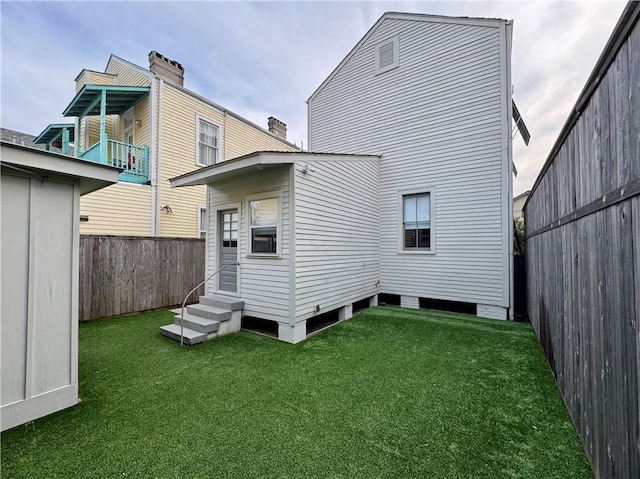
[[215, 315]]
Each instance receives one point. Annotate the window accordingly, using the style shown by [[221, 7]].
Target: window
[[263, 229], [207, 143], [387, 55], [202, 221], [416, 222], [229, 229]]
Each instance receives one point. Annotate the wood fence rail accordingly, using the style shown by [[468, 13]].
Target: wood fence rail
[[122, 274], [583, 257]]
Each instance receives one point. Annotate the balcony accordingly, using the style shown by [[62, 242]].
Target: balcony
[[100, 101], [134, 159]]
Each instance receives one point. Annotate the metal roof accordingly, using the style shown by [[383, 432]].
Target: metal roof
[[119, 99], [260, 159], [54, 131]]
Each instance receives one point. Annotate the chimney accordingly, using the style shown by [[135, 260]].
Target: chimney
[[277, 127], [169, 69]]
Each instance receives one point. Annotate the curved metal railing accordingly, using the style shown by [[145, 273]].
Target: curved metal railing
[[187, 297]]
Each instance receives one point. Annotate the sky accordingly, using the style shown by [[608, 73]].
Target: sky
[[262, 59]]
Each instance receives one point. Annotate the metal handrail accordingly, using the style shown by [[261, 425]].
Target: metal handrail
[[187, 297]]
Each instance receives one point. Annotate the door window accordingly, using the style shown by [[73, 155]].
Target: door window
[[230, 230]]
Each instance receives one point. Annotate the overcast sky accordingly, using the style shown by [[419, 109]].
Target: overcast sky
[[266, 58]]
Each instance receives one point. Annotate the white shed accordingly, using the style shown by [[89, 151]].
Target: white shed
[[299, 234], [40, 211]]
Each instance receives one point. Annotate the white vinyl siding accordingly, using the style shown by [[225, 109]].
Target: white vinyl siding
[[337, 234], [208, 134], [437, 122], [264, 282]]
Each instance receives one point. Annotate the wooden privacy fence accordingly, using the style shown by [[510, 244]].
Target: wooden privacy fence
[[122, 274], [583, 257]]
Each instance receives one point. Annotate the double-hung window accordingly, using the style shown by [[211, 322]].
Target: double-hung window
[[208, 139], [202, 221], [263, 226], [416, 222]]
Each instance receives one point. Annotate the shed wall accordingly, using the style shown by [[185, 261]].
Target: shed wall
[[337, 223], [39, 297]]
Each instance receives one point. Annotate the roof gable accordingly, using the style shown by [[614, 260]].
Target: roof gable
[[419, 17], [127, 63]]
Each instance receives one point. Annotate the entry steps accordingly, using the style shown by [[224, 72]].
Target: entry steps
[[215, 315]]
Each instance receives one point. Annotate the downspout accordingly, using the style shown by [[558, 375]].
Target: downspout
[[509, 199], [156, 212], [224, 136], [152, 160], [103, 127]]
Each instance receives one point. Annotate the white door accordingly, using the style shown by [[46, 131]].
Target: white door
[[228, 241]]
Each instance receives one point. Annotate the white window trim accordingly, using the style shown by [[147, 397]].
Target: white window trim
[[395, 63], [432, 218], [277, 194], [219, 149], [202, 228]]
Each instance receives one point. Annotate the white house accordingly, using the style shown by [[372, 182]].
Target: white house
[[40, 210], [432, 96], [407, 189]]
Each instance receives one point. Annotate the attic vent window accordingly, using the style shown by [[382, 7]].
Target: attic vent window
[[387, 55]]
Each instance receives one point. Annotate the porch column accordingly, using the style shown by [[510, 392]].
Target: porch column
[[78, 149], [103, 127], [65, 141]]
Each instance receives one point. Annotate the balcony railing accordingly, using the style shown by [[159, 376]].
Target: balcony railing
[[134, 159]]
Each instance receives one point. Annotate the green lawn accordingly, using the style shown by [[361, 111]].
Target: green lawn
[[389, 393]]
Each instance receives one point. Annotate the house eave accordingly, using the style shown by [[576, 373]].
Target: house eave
[[92, 176], [257, 161]]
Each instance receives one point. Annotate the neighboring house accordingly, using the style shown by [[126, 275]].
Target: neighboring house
[[25, 139], [39, 282], [406, 191], [518, 204], [147, 122]]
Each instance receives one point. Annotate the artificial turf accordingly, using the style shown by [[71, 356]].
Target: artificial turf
[[389, 393]]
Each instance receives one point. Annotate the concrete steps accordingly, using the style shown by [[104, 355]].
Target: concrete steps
[[215, 315]]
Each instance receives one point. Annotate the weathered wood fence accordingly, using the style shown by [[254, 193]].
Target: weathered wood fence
[[120, 275], [583, 257]]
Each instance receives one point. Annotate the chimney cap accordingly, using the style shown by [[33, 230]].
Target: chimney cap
[[273, 119], [154, 54]]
